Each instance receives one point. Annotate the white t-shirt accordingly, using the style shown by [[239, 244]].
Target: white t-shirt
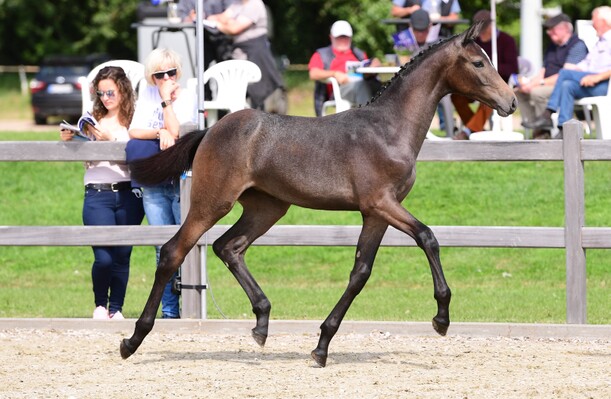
[[149, 112]]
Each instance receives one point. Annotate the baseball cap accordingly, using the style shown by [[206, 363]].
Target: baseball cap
[[555, 20], [341, 28], [420, 20]]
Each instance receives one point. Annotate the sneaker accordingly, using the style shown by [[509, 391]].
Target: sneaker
[[117, 316], [100, 313], [461, 136]]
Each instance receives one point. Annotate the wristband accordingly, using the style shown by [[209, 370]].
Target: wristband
[[166, 103]]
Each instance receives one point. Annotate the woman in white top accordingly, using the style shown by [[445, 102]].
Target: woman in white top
[[109, 198], [162, 107]]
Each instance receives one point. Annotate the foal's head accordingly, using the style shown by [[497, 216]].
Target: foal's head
[[472, 74]]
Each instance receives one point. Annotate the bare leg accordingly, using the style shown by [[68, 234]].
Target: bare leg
[[260, 213], [366, 250]]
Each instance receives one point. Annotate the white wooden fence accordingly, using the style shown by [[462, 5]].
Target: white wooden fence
[[574, 236]]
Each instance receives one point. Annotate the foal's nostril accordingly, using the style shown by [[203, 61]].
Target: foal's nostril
[[514, 104]]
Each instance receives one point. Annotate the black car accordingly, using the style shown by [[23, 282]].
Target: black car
[[56, 88]]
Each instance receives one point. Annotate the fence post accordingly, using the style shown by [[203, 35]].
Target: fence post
[[574, 213], [24, 80], [190, 272]]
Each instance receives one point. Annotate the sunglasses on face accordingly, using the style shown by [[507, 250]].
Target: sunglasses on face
[[161, 74], [108, 93]]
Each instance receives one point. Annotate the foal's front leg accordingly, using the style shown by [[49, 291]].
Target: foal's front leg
[[401, 219], [366, 250]]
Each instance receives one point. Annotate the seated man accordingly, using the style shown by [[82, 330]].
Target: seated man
[[507, 52], [588, 78], [331, 61], [565, 48], [440, 11]]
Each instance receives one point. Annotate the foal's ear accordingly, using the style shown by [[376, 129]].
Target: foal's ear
[[472, 32]]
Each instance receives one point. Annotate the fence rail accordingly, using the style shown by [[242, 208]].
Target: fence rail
[[574, 236]]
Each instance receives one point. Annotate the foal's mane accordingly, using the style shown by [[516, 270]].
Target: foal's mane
[[421, 57]]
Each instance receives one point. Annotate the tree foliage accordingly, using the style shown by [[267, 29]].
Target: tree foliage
[[32, 29]]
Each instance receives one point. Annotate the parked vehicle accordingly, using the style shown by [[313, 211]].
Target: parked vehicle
[[56, 88]]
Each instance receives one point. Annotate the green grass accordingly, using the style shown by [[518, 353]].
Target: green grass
[[493, 285]]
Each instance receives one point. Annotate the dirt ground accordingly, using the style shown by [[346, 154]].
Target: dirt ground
[[85, 363]]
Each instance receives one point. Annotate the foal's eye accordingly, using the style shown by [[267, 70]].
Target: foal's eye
[[478, 64]]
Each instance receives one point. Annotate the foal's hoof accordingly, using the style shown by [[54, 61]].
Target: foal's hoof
[[440, 327], [319, 357], [125, 349], [259, 338]]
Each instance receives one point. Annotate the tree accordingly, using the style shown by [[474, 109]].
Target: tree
[[32, 29]]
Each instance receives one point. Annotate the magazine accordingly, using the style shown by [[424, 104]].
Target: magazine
[[352, 66], [80, 131]]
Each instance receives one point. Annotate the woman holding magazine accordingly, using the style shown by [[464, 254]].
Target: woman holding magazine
[[109, 197]]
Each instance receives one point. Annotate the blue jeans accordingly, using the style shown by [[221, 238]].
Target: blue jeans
[[110, 270], [162, 207], [568, 89]]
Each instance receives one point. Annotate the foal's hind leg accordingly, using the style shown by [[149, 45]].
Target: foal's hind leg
[[260, 213], [171, 257], [366, 250], [401, 219]]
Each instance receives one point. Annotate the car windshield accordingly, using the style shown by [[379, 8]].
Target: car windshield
[[63, 70]]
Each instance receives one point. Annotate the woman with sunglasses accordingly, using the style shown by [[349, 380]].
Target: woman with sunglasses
[[109, 197], [162, 108]]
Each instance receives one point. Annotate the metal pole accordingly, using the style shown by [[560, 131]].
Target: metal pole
[[192, 276]]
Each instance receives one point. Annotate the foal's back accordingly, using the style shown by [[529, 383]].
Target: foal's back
[[322, 163]]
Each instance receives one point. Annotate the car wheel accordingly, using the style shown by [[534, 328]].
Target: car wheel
[[40, 120]]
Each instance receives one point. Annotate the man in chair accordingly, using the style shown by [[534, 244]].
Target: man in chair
[[331, 61], [565, 48]]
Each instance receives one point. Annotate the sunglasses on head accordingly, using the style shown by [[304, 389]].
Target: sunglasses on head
[[161, 74], [108, 93]]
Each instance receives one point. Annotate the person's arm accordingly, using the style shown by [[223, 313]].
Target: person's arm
[[526, 85], [576, 54], [403, 12], [226, 23], [595, 78], [323, 74]]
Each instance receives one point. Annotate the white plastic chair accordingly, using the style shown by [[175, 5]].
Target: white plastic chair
[[231, 78], [338, 102], [134, 71]]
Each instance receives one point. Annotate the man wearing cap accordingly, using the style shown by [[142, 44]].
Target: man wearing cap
[[421, 28], [589, 78], [507, 60], [330, 62], [565, 48], [442, 10]]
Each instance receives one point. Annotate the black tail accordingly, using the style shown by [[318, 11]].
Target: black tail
[[170, 163]]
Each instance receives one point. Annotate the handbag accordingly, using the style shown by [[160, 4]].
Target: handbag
[[139, 149]]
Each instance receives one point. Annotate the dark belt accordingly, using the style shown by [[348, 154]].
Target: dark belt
[[120, 186]]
